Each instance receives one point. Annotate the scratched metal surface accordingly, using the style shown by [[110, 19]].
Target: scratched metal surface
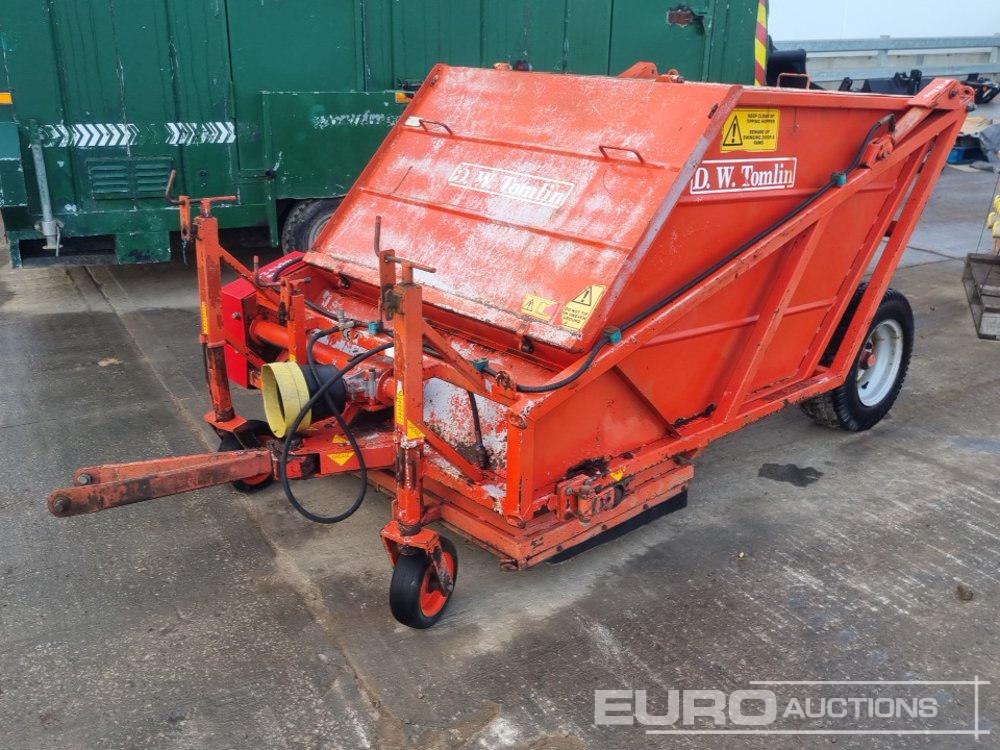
[[498, 180]]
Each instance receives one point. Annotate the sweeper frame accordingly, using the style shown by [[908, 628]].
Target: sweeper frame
[[527, 326]]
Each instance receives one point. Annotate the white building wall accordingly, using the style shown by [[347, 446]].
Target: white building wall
[[860, 19]]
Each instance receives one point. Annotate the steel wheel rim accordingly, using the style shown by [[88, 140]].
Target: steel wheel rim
[[316, 231], [432, 598], [255, 480], [879, 362]]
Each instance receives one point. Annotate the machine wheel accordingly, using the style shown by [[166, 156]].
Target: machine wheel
[[415, 597], [876, 377], [305, 222], [230, 443]]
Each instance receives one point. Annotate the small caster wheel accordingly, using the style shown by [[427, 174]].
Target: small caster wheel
[[415, 596], [230, 442]]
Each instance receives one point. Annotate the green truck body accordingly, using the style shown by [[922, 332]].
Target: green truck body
[[279, 101]]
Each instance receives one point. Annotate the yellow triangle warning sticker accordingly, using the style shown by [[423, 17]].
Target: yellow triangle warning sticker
[[342, 457], [577, 311], [733, 137], [751, 130], [538, 307], [413, 432]]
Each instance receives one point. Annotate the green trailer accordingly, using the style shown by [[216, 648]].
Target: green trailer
[[280, 101]]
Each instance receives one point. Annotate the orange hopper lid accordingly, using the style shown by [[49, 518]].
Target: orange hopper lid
[[534, 195]]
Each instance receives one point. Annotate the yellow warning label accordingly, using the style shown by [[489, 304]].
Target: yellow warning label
[[6, 98], [751, 130], [412, 431], [577, 311], [204, 318], [400, 407], [339, 440], [617, 474], [342, 457], [538, 307]]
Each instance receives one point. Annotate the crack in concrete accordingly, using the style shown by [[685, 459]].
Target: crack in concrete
[[932, 252]]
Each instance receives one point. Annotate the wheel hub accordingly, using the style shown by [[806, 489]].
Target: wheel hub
[[879, 362]]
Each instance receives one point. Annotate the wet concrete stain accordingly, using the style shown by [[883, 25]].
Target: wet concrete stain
[[800, 476], [976, 444]]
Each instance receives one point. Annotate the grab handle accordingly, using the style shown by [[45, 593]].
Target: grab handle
[[607, 151], [424, 123]]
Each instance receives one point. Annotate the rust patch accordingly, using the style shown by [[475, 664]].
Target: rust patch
[[682, 15]]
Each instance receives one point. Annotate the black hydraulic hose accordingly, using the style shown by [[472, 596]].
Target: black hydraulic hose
[[344, 426], [481, 455], [318, 308], [521, 388], [321, 392], [836, 180]]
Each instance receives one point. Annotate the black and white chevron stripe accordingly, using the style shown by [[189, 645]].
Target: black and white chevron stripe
[[111, 134]]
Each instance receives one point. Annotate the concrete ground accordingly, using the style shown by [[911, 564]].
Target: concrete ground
[[219, 620]]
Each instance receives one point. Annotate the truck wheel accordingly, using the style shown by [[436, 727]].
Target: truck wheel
[[305, 222], [415, 597], [262, 432], [875, 379]]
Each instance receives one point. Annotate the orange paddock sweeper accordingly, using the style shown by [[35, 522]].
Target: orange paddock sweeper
[[546, 294]]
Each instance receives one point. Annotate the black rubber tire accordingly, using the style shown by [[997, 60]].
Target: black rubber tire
[[404, 591], [230, 442], [841, 408], [305, 222]]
